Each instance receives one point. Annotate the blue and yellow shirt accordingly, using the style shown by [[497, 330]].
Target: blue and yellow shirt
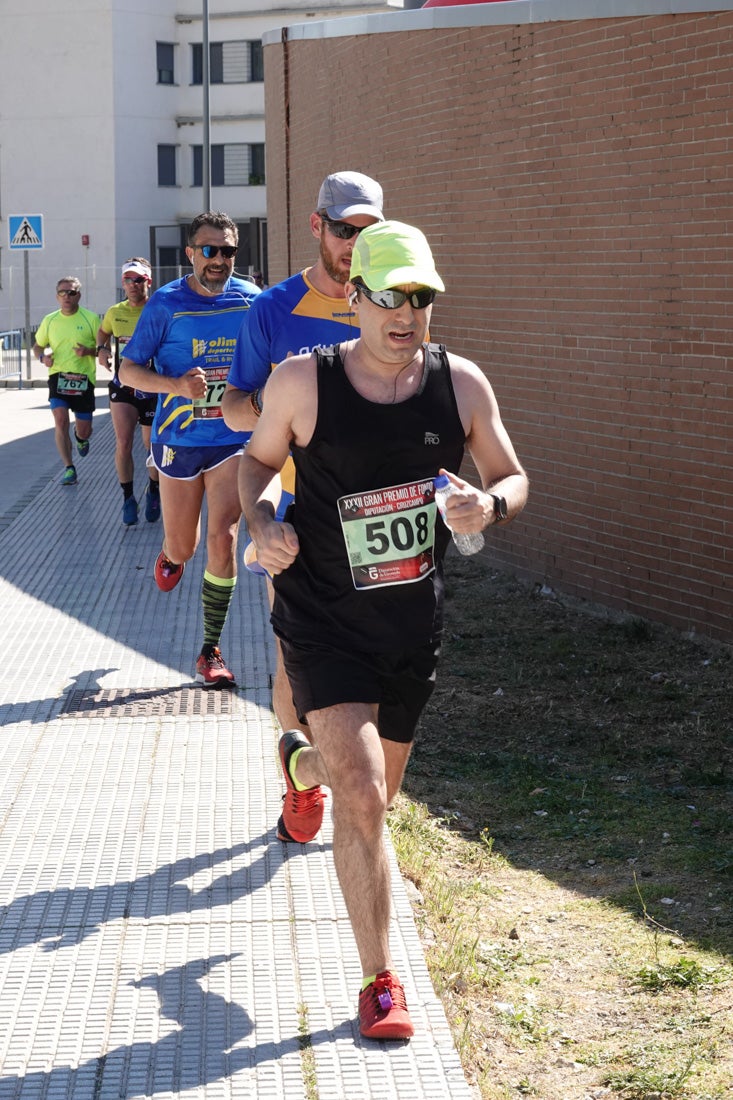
[[179, 330], [291, 318]]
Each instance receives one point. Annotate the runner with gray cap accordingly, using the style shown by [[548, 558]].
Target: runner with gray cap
[[348, 194], [306, 311]]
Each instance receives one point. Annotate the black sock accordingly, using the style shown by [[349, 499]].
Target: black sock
[[127, 489], [154, 487]]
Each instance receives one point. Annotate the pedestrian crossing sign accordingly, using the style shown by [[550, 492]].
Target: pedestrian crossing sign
[[26, 231]]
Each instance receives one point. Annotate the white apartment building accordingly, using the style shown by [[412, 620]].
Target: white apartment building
[[102, 132]]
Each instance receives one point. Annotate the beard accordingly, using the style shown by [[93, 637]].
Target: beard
[[336, 273], [214, 283]]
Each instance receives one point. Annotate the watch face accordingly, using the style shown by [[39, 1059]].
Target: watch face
[[499, 507]]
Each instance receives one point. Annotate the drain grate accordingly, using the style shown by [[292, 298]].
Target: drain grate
[[150, 702]]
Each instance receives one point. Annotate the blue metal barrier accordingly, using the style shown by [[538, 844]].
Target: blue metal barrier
[[11, 351]]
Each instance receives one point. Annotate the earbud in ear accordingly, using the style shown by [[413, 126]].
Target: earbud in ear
[[352, 298]]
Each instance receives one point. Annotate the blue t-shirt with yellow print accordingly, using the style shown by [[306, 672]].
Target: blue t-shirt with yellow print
[[179, 330], [291, 318]]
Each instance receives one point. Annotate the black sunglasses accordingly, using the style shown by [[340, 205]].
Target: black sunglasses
[[69, 293], [342, 230], [134, 279], [211, 251], [393, 299]]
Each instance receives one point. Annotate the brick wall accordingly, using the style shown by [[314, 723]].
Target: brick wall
[[575, 181]]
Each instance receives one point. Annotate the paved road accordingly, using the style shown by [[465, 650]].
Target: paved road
[[156, 939]]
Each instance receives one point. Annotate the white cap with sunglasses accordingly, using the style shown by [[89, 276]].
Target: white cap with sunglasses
[[137, 267], [345, 194]]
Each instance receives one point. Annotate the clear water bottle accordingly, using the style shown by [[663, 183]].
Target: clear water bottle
[[466, 544]]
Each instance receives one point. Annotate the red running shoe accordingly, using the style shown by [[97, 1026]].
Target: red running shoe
[[167, 574], [383, 1010], [302, 810], [211, 670]]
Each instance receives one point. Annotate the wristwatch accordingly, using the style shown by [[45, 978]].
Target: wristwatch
[[500, 511]]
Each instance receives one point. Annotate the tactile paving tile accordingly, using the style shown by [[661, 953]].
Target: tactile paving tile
[[151, 701], [156, 939]]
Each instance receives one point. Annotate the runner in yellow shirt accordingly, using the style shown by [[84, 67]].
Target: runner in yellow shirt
[[129, 407], [66, 345]]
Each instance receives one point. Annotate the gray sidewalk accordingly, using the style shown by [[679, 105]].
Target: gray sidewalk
[[156, 939]]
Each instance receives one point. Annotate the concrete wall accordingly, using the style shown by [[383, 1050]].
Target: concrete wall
[[575, 177]]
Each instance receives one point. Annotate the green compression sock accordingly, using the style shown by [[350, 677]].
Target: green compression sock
[[216, 596]]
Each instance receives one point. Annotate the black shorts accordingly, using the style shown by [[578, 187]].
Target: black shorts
[[145, 403], [71, 391], [399, 683]]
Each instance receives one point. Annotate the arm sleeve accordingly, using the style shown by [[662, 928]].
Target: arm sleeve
[[108, 321], [251, 362]]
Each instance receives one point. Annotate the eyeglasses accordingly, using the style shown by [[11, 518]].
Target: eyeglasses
[[211, 251], [69, 293], [137, 279], [342, 230], [393, 299]]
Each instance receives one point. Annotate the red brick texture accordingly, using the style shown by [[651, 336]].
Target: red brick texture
[[575, 181]]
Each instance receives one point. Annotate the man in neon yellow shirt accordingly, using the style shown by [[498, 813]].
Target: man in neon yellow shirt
[[66, 345], [129, 406]]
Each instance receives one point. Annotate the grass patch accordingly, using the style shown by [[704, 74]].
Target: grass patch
[[683, 973], [307, 1057], [566, 819]]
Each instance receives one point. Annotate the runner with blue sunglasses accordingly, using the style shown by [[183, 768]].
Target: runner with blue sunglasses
[[189, 329]]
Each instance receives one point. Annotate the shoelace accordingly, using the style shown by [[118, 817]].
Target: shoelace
[[388, 994], [215, 659], [302, 802]]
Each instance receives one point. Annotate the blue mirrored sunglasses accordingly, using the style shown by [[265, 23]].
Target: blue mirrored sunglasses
[[211, 251]]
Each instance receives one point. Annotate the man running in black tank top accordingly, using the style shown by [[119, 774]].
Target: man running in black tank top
[[357, 564]]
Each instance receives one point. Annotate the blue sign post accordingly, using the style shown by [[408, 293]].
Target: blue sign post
[[26, 234]]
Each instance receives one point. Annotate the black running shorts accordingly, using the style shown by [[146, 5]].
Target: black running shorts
[[399, 683], [144, 403], [71, 391]]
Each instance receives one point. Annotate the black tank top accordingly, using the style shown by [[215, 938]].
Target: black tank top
[[369, 572]]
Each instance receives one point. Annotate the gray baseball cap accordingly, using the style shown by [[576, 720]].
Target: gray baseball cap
[[344, 194]]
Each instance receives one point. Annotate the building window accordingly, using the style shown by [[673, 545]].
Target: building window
[[256, 62], [229, 62], [234, 165], [170, 261], [257, 164], [164, 56], [166, 166]]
